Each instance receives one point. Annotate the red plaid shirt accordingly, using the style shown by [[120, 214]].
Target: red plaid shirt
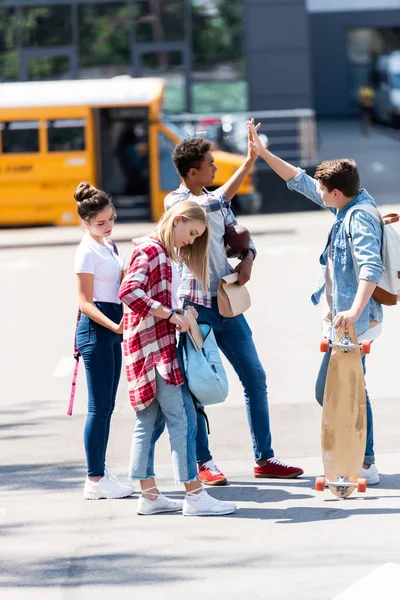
[[149, 342]]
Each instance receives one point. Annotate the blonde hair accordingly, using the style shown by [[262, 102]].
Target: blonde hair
[[194, 256]]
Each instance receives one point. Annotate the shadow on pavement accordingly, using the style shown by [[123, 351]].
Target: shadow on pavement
[[39, 477]]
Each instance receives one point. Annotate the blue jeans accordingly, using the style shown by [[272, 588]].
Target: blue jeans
[[369, 458], [174, 407], [234, 338], [102, 355]]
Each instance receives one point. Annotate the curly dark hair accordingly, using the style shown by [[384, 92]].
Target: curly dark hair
[[189, 154]]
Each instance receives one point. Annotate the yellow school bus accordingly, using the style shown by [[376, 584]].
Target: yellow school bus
[[110, 132]]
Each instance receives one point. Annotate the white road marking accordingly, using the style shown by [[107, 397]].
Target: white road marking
[[65, 367], [381, 583], [20, 265]]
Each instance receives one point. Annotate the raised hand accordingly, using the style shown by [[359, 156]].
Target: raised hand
[[251, 154], [256, 146]]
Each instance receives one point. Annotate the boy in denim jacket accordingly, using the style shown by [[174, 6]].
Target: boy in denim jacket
[[346, 298]]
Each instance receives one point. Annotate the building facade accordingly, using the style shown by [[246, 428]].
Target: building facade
[[216, 55], [347, 37]]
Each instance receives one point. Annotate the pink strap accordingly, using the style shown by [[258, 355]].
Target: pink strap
[[73, 388]]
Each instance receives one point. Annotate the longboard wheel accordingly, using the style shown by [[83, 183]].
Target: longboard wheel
[[361, 485], [324, 345], [320, 484], [366, 347]]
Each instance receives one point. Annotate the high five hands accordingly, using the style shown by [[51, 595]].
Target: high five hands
[[251, 152], [256, 145]]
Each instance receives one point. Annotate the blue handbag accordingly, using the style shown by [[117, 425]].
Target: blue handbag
[[205, 372]]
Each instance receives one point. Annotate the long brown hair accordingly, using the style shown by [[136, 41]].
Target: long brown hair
[[194, 256]]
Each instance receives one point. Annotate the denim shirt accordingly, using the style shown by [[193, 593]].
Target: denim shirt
[[366, 235]]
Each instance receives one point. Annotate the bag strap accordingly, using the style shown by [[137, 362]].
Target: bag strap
[[75, 375], [391, 218], [372, 211], [114, 246]]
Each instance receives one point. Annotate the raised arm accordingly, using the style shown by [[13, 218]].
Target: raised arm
[[232, 186], [281, 167]]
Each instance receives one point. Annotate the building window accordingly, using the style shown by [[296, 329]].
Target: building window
[[159, 20], [20, 137], [49, 67], [45, 26], [104, 40], [168, 65], [66, 135], [364, 47], [168, 174], [229, 96], [218, 67], [9, 64]]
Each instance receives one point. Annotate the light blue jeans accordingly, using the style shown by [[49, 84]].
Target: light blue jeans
[[369, 457], [174, 407]]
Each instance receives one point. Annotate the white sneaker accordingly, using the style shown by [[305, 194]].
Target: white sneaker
[[106, 488], [115, 478], [204, 505], [161, 504], [371, 475]]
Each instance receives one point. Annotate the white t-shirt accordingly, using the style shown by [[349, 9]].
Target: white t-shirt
[[176, 282], [102, 262]]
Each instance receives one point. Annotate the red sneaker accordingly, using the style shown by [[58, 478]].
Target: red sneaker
[[275, 469], [211, 475]]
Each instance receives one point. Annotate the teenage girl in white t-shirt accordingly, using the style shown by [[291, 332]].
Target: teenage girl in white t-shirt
[[98, 337]]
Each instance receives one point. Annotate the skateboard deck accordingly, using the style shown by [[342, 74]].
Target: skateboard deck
[[344, 415]]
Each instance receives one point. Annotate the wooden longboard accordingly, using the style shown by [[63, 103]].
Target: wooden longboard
[[344, 415]]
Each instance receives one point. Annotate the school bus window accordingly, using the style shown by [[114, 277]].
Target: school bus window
[[66, 135], [20, 137], [168, 174]]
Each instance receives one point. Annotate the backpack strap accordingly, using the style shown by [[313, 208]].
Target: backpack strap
[[372, 211], [391, 218]]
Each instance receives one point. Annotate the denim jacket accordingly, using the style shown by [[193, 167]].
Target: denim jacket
[[366, 234]]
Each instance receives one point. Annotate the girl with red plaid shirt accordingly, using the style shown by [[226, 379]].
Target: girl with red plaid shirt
[[154, 364]]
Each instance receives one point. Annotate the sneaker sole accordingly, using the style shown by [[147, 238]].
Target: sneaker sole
[[293, 476], [218, 482], [159, 512], [208, 514], [93, 497]]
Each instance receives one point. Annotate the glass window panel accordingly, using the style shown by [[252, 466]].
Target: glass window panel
[[217, 41], [20, 137], [9, 64], [159, 20], [104, 40], [44, 26], [169, 176], [168, 65], [364, 46], [219, 97], [51, 67], [66, 135]]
